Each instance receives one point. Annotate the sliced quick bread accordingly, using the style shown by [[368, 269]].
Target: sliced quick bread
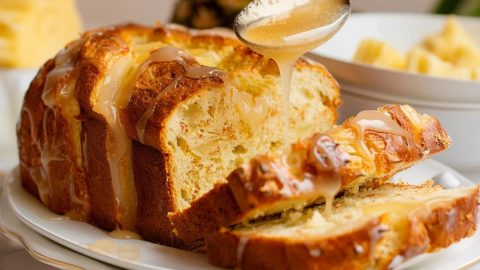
[[375, 228], [371, 146], [129, 123]]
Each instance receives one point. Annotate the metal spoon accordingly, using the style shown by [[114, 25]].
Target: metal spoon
[[306, 33]]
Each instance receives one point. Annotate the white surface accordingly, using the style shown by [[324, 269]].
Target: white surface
[[461, 123], [404, 5], [26, 244], [107, 12], [78, 235], [402, 31], [13, 85]]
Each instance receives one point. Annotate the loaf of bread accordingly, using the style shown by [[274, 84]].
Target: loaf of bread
[[377, 228], [372, 146], [130, 123]]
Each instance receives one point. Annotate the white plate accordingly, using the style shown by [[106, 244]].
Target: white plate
[[78, 235], [40, 247], [402, 31]]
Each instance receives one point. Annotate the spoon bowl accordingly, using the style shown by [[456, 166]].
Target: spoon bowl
[[293, 26]]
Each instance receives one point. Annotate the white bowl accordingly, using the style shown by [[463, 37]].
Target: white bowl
[[13, 85], [403, 31], [455, 103]]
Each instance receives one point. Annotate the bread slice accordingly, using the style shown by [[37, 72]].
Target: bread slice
[[376, 228], [136, 122], [275, 182]]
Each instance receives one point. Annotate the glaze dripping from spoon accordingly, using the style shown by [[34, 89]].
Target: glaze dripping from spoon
[[285, 30]]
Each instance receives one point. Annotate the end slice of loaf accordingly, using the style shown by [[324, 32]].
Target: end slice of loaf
[[278, 181], [381, 225]]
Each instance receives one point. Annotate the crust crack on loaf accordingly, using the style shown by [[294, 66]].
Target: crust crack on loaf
[[155, 118]]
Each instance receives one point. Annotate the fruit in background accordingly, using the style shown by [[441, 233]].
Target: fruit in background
[[203, 14], [424, 62], [31, 31], [453, 44], [379, 53], [462, 7], [450, 53]]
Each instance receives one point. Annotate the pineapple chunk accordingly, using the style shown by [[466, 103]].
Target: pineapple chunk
[[32, 31], [379, 53], [424, 62]]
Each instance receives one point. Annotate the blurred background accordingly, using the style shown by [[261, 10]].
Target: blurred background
[[214, 12]]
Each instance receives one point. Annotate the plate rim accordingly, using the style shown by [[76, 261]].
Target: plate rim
[[36, 244], [13, 179]]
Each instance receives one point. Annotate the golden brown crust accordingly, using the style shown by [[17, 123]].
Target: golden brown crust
[[26, 131], [444, 225], [216, 208], [431, 136], [102, 199], [153, 194], [349, 250], [247, 194], [421, 235], [152, 83], [97, 54], [46, 149]]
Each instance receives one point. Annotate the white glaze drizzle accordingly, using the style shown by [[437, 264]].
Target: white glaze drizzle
[[326, 161], [286, 36], [119, 145], [242, 244], [124, 234], [375, 121], [61, 94], [168, 54], [129, 252]]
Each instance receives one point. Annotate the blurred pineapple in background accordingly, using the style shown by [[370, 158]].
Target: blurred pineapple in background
[[203, 14], [32, 31], [453, 44], [379, 53], [450, 53]]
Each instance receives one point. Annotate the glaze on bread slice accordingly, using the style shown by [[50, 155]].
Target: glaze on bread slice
[[129, 123], [372, 146], [376, 228]]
